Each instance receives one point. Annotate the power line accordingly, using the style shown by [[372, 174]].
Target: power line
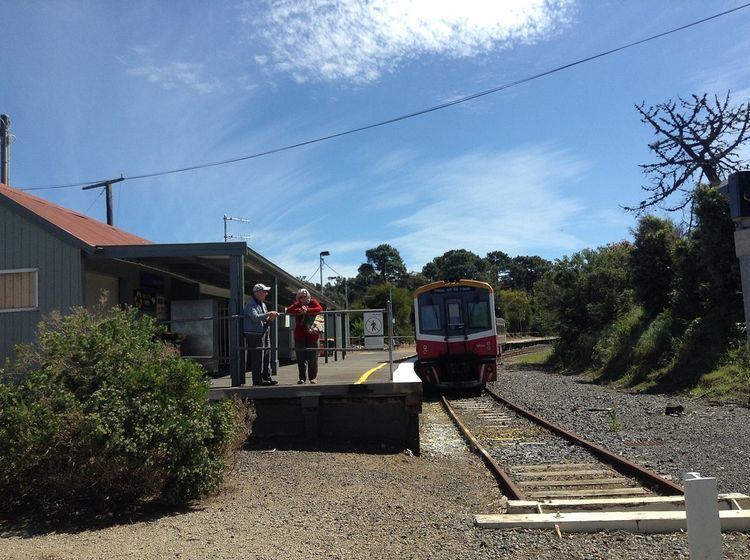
[[101, 192], [313, 274], [415, 113]]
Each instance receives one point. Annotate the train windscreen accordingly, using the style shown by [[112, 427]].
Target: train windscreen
[[454, 310]]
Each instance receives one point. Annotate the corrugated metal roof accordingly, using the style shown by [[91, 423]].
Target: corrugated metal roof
[[88, 230]]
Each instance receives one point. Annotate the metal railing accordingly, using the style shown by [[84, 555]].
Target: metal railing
[[221, 347]]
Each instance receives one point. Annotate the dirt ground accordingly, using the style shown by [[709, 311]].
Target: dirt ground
[[298, 504]]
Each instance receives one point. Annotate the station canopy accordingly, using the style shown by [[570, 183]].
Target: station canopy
[[209, 264]]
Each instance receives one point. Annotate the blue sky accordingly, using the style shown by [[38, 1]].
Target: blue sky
[[99, 89]]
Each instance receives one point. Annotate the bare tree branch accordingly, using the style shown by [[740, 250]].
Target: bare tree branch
[[697, 141]]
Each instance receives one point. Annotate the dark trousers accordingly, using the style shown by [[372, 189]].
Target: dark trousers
[[307, 359], [258, 360]]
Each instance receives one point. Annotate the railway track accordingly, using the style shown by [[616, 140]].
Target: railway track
[[553, 478]]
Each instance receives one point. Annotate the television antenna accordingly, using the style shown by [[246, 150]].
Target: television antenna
[[227, 237]]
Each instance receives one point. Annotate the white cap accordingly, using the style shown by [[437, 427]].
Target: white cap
[[261, 288]]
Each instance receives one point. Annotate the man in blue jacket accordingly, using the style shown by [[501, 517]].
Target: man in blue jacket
[[257, 337]]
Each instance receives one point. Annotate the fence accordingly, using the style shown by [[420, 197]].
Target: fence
[[207, 339]]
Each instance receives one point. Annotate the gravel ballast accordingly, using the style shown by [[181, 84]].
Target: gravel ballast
[[382, 503]]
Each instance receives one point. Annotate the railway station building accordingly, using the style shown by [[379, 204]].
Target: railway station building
[[52, 258]]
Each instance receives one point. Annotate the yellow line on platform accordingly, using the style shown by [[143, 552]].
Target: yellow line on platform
[[368, 373]]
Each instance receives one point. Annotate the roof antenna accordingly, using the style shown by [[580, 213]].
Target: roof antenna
[[227, 237], [5, 140]]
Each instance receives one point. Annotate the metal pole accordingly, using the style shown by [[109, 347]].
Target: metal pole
[[110, 219], [325, 317], [346, 319], [275, 339], [4, 149], [236, 304], [390, 338]]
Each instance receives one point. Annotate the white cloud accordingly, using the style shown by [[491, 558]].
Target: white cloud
[[172, 75], [358, 41], [516, 201]]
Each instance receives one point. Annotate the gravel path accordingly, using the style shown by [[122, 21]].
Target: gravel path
[[374, 503]]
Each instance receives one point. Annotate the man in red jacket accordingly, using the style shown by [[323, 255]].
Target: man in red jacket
[[306, 335]]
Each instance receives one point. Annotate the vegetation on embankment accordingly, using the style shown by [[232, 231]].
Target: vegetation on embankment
[[663, 313]]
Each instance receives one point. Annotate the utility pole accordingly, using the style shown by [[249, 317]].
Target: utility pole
[[107, 185], [5, 139]]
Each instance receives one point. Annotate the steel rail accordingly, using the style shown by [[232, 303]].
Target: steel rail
[[508, 486], [649, 478]]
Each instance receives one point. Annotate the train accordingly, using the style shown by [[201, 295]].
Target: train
[[456, 334]]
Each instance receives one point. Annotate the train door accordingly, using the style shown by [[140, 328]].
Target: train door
[[454, 315]]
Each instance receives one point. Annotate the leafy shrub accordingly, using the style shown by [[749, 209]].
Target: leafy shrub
[[654, 348], [105, 413], [614, 348]]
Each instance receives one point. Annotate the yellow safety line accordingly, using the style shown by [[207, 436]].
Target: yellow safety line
[[368, 373]]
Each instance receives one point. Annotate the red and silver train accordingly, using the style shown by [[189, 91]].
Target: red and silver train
[[456, 334]]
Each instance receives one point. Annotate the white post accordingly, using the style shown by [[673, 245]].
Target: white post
[[703, 524]]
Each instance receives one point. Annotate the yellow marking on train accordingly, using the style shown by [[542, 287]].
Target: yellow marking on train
[[368, 373]]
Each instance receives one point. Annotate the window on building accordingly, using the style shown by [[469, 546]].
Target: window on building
[[18, 290]]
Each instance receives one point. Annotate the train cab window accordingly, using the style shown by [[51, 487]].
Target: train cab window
[[455, 321], [479, 315], [429, 318]]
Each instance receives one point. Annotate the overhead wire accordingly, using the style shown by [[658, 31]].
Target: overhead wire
[[94, 202], [420, 112]]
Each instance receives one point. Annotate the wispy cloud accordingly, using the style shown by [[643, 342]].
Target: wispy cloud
[[727, 75], [358, 41], [171, 75], [514, 201]]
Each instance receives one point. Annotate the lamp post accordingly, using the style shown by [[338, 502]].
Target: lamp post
[[323, 254]]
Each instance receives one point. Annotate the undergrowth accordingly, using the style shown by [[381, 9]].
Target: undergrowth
[[107, 416]]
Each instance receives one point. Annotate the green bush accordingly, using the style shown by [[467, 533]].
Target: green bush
[[614, 348], [654, 348], [105, 414]]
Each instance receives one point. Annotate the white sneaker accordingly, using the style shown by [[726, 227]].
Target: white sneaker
[[313, 381]]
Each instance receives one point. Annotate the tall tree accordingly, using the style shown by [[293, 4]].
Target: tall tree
[[652, 262], [516, 309], [525, 271], [457, 263], [497, 266], [387, 262], [698, 139]]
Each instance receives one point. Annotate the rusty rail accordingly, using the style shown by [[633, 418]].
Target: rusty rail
[[508, 486], [647, 477]]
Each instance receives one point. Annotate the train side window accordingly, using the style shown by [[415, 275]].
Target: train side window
[[455, 320], [429, 318], [479, 315]]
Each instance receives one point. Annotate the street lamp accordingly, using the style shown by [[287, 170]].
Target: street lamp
[[322, 254]]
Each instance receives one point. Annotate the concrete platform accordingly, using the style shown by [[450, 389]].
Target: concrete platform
[[354, 400]]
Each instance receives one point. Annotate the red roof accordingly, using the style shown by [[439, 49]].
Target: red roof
[[90, 231]]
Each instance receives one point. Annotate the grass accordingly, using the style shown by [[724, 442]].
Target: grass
[[727, 383], [534, 358]]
